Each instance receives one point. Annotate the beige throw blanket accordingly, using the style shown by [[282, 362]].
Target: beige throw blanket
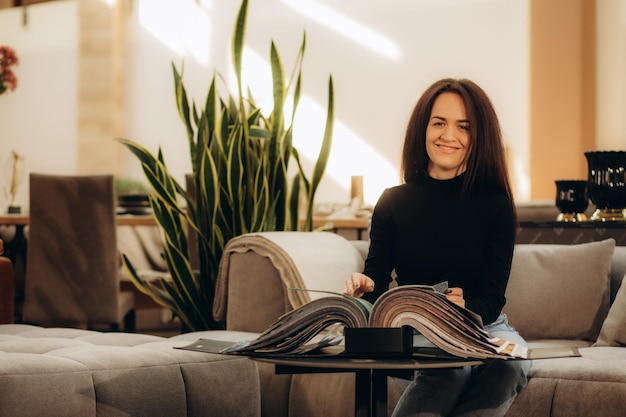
[[295, 255]]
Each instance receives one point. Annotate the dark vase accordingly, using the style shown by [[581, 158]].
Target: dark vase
[[572, 200], [606, 184]]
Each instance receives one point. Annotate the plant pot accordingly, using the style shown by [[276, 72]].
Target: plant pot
[[606, 184]]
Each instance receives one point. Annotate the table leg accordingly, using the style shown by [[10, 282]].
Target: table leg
[[370, 395], [363, 393], [370, 385], [379, 392]]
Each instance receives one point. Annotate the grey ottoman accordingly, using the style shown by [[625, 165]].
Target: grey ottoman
[[73, 372]]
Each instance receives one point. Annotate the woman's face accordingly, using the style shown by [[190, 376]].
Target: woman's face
[[447, 137]]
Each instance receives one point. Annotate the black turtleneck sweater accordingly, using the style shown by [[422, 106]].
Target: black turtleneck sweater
[[428, 234]]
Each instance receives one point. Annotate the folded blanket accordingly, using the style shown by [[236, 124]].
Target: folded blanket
[[295, 255]]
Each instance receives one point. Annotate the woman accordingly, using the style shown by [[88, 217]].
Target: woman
[[452, 220]]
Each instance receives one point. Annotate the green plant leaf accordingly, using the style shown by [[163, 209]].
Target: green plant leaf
[[322, 160], [240, 180]]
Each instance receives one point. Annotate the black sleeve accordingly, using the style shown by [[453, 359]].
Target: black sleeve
[[378, 264], [486, 296]]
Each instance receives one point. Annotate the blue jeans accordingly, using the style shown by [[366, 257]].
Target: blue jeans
[[483, 390]]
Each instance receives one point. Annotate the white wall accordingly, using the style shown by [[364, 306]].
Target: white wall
[[381, 55], [611, 123], [39, 119]]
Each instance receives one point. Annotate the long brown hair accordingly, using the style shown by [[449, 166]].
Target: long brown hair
[[486, 160]]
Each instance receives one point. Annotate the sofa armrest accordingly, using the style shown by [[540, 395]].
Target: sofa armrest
[[7, 288], [257, 271]]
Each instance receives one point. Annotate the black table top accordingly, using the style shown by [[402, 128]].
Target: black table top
[[352, 364]]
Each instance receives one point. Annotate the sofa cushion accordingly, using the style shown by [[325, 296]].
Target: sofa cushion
[[591, 385], [618, 270], [559, 291], [613, 332]]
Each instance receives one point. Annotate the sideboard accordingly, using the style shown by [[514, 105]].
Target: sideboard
[[554, 232]]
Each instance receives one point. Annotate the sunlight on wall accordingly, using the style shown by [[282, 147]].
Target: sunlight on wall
[[347, 27], [257, 74], [350, 154], [183, 26], [520, 180]]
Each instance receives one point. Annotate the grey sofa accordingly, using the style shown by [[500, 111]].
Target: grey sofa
[[559, 295]]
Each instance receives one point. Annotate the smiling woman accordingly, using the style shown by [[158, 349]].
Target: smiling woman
[[452, 220], [447, 137]]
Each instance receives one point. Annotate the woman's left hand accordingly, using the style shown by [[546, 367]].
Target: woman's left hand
[[456, 296]]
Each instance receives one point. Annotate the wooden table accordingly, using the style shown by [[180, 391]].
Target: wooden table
[[120, 219], [360, 224], [16, 251], [18, 243], [16, 248], [149, 220], [568, 233]]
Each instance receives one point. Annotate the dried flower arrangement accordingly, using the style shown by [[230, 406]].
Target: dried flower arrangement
[[8, 58]]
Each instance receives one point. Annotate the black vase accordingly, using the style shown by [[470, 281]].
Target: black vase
[[572, 200], [606, 184]]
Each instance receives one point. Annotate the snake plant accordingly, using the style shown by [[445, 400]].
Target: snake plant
[[242, 182]]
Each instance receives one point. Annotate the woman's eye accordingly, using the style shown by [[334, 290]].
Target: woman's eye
[[464, 127]]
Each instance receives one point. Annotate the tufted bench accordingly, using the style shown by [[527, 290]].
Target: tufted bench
[[74, 372]]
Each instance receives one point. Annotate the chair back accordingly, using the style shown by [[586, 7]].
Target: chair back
[[72, 259]]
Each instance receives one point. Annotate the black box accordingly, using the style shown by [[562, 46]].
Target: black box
[[378, 341]]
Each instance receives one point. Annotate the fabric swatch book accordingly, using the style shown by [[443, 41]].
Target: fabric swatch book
[[438, 327]]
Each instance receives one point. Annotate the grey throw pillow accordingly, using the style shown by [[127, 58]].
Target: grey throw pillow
[[559, 291], [613, 332]]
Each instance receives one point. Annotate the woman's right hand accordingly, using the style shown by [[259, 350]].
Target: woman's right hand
[[358, 284]]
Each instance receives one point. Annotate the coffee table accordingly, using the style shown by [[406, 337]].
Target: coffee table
[[370, 374]]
